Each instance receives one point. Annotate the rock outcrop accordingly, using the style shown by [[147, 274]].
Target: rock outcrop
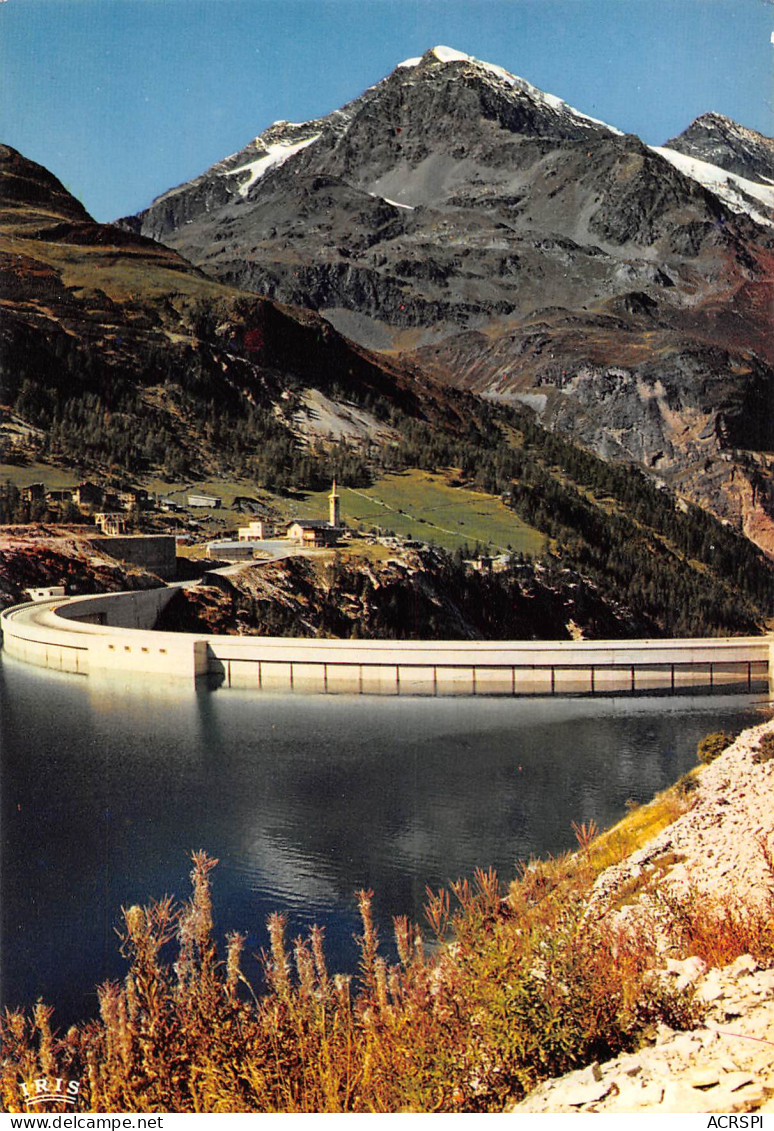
[[721, 849], [724, 1065], [417, 595], [33, 557]]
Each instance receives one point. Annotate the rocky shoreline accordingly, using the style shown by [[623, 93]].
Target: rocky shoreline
[[720, 849], [724, 1066]]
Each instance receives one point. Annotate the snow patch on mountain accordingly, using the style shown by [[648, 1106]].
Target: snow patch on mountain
[[275, 156], [449, 55], [738, 193], [394, 203]]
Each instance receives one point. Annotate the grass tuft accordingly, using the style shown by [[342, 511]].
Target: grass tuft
[[523, 989]]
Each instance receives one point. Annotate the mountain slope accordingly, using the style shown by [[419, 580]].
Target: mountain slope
[[124, 354], [513, 246], [119, 357]]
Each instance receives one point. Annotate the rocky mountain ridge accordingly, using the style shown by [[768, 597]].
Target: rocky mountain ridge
[[720, 141], [310, 210]]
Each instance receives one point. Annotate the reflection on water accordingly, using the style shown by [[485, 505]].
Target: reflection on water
[[107, 785]]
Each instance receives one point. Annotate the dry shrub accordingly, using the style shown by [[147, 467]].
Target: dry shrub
[[712, 746], [765, 749], [721, 928], [515, 991]]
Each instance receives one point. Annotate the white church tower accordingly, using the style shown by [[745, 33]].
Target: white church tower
[[334, 513]]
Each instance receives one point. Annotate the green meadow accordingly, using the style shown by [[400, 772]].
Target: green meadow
[[429, 508]]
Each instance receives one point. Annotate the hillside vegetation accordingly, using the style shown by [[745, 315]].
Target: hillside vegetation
[[126, 363]]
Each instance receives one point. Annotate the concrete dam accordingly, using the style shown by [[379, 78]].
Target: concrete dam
[[113, 633]]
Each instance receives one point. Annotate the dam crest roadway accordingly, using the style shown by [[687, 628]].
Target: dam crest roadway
[[114, 633]]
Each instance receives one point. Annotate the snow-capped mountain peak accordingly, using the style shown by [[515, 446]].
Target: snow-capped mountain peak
[[445, 55], [720, 141]]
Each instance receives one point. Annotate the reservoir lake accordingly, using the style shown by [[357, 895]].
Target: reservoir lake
[[106, 786]]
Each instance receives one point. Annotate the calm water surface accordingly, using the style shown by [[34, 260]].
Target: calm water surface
[[107, 786]]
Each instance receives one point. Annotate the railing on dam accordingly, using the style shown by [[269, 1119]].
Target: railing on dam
[[114, 633], [505, 679]]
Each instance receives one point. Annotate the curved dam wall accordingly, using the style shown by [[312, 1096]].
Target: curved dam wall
[[109, 632], [114, 633]]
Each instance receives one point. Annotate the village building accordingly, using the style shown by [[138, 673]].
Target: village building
[[483, 563], [88, 495], [334, 509], [212, 501], [231, 551], [33, 493], [111, 523], [134, 498], [256, 531], [316, 531]]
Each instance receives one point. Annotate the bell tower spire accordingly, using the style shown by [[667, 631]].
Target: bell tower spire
[[334, 513]]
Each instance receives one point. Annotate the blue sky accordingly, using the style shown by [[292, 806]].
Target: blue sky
[[123, 99]]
